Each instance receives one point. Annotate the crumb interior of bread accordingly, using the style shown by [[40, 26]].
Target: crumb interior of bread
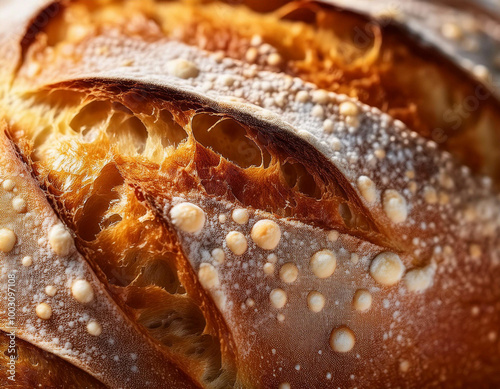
[[337, 51]]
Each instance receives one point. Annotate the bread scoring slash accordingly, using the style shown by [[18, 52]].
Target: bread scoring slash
[[193, 198]]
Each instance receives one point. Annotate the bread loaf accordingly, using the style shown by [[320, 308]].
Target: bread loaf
[[200, 194]]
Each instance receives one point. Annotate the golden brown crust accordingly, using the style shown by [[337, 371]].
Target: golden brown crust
[[308, 197]]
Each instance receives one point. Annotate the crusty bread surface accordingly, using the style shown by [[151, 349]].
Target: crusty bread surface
[[203, 194]]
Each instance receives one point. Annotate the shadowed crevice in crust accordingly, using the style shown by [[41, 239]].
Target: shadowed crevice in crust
[[38, 24], [35, 367]]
